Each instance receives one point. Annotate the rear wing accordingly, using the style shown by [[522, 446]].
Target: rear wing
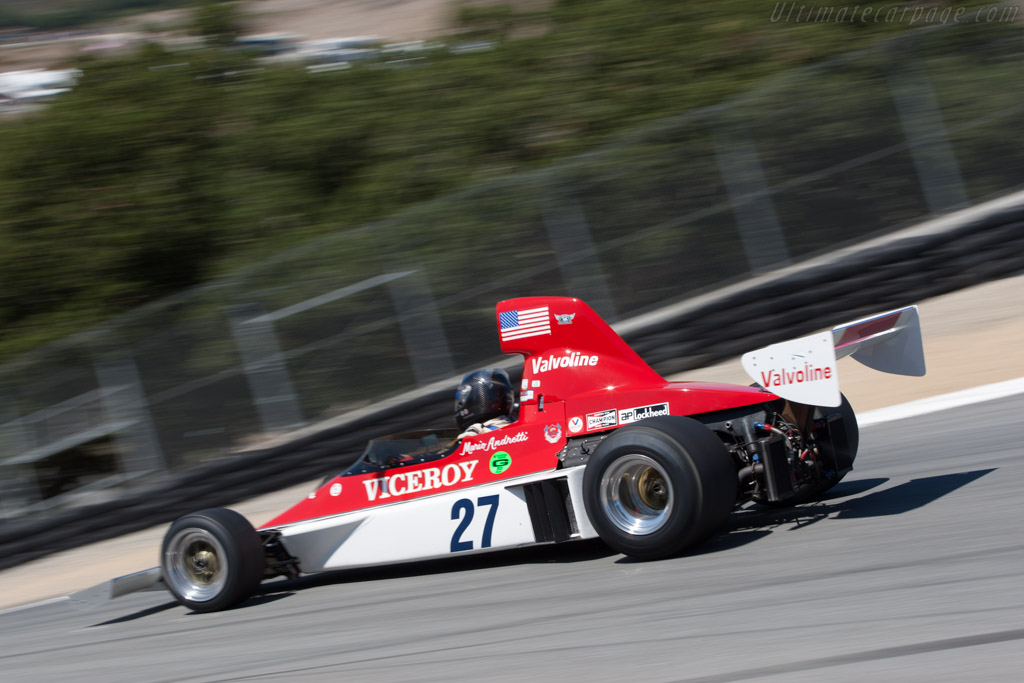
[[804, 370]]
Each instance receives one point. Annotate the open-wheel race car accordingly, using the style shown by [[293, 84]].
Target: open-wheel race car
[[597, 445]]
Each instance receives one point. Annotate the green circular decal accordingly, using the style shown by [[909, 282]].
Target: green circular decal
[[500, 462]]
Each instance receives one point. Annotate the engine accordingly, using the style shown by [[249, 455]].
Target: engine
[[786, 452]]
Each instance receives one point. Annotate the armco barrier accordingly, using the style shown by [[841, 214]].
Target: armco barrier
[[942, 255], [808, 160], [962, 249]]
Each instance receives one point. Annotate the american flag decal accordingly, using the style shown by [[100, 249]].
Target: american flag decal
[[517, 324]]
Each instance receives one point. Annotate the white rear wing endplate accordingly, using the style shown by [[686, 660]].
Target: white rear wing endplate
[[804, 370]]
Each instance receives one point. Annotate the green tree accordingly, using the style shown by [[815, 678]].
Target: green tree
[[219, 23]]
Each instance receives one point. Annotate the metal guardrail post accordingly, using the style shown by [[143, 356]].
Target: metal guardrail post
[[14, 438], [420, 322], [265, 370], [19, 486], [763, 240], [571, 241], [925, 130], [124, 402]]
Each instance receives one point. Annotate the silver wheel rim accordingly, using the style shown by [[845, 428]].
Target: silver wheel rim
[[195, 565], [636, 494]]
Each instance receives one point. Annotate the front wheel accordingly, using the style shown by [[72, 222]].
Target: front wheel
[[658, 487], [212, 560]]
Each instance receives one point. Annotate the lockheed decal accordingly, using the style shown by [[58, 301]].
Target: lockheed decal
[[643, 412]]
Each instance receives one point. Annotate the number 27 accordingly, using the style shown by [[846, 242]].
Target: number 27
[[465, 504]]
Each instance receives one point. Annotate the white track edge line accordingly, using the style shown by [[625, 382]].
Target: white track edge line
[[38, 603], [933, 404]]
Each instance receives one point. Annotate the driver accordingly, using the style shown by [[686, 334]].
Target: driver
[[484, 401]]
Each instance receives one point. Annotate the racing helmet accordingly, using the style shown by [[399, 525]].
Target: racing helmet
[[483, 395]]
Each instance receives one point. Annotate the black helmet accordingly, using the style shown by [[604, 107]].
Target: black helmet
[[483, 395]]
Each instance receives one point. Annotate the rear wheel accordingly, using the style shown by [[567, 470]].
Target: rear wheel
[[212, 560], [843, 449], [846, 450], [657, 487]]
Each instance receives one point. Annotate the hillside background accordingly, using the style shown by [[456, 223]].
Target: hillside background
[[166, 168]]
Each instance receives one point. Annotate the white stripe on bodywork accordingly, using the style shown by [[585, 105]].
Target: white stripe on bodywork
[[423, 528]]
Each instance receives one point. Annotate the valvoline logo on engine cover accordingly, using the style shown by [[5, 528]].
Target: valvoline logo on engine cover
[[570, 359]]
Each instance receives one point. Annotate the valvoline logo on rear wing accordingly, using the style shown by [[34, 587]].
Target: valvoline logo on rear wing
[[569, 349], [804, 370]]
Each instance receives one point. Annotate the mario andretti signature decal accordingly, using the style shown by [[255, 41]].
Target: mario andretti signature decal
[[493, 444]]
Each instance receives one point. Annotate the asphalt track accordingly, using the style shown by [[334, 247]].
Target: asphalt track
[[911, 570]]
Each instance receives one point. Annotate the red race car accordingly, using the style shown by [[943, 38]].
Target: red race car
[[597, 445]]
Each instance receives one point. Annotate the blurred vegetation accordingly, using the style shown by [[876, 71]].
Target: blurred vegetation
[[218, 23], [162, 169], [53, 15]]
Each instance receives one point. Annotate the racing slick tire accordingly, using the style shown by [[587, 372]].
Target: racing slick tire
[[659, 486], [212, 559]]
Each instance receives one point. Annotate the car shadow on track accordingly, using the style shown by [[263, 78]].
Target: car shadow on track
[[745, 526], [279, 589], [753, 522], [259, 599], [581, 551], [845, 489], [149, 611], [897, 500]]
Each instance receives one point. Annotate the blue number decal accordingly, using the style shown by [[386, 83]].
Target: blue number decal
[[492, 503], [457, 542], [466, 505]]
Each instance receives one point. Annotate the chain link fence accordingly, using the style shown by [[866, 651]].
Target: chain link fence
[[831, 154]]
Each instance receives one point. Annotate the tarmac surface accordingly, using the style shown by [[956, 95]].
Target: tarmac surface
[[972, 337], [908, 571]]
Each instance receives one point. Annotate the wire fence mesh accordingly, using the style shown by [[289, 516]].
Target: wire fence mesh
[[819, 157]]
